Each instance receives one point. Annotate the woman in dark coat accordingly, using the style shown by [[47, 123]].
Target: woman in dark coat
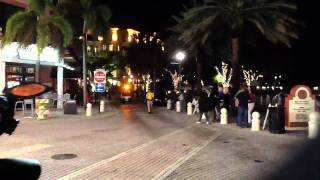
[[204, 106]]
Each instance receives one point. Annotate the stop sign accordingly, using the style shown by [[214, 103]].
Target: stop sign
[[99, 76]]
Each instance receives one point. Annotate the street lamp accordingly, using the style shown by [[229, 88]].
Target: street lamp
[[180, 56]]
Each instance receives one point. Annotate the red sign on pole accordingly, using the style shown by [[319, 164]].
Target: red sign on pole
[[99, 76]]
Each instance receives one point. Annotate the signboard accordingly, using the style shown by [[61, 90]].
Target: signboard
[[100, 76], [101, 87], [299, 104]]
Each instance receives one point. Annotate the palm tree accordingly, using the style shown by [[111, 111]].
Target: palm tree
[[95, 20], [229, 18], [39, 24]]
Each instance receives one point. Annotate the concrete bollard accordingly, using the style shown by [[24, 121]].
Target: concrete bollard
[[102, 106], [314, 125], [189, 109], [178, 106], [169, 104], [255, 122], [224, 116], [89, 109]]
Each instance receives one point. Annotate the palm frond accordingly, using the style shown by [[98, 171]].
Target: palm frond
[[64, 27], [86, 4], [104, 13], [18, 23], [37, 6]]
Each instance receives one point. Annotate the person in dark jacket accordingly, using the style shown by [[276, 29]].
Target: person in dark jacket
[[242, 97], [204, 107], [213, 103]]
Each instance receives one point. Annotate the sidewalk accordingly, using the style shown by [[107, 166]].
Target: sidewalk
[[127, 142], [295, 134], [59, 113], [239, 153]]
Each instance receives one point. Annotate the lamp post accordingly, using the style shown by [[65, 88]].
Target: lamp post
[[180, 56]]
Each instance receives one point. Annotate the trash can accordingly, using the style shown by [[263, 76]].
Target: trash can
[[70, 107], [276, 120]]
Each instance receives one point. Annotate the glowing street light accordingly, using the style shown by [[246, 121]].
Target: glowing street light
[[180, 56]]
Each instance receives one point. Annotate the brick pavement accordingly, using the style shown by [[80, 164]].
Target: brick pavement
[[126, 142]]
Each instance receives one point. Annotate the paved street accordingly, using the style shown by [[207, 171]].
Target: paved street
[[125, 142]]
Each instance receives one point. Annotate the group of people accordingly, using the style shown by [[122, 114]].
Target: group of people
[[209, 103]]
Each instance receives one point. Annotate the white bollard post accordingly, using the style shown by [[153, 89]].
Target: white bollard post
[[314, 125], [255, 122], [224, 116], [89, 109], [102, 106], [169, 104], [178, 108], [189, 109]]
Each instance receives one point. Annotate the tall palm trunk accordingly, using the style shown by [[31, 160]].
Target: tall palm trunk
[[199, 73], [236, 78], [37, 68], [154, 74], [84, 63]]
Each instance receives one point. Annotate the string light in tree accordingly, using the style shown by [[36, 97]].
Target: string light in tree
[[250, 76], [225, 74]]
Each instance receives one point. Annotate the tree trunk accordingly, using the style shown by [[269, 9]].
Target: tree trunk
[[237, 75], [37, 68], [154, 75], [84, 64], [199, 73]]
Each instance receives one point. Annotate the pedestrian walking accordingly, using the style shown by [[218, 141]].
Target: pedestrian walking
[[195, 103], [204, 107], [251, 103], [149, 99], [242, 98]]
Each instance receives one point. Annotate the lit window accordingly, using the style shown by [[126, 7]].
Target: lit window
[[110, 47], [132, 33], [100, 38], [129, 38], [114, 35]]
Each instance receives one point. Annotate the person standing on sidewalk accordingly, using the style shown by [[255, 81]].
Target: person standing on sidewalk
[[204, 107], [242, 97], [251, 103], [149, 98]]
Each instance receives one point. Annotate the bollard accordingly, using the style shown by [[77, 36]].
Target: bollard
[[178, 106], [224, 116], [314, 125], [102, 106], [89, 109], [189, 109], [255, 122], [169, 104]]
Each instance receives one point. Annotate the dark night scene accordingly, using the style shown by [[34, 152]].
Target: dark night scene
[[171, 89]]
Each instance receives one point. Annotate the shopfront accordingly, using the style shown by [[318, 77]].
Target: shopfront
[[17, 65]]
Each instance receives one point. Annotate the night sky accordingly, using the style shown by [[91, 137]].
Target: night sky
[[297, 64]]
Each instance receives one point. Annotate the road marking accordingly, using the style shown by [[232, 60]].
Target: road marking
[[24, 150], [96, 165], [166, 172], [153, 160]]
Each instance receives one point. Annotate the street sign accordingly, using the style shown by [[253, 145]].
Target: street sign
[[100, 87], [99, 76]]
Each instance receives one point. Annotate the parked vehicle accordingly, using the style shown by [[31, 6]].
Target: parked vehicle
[[126, 92]]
